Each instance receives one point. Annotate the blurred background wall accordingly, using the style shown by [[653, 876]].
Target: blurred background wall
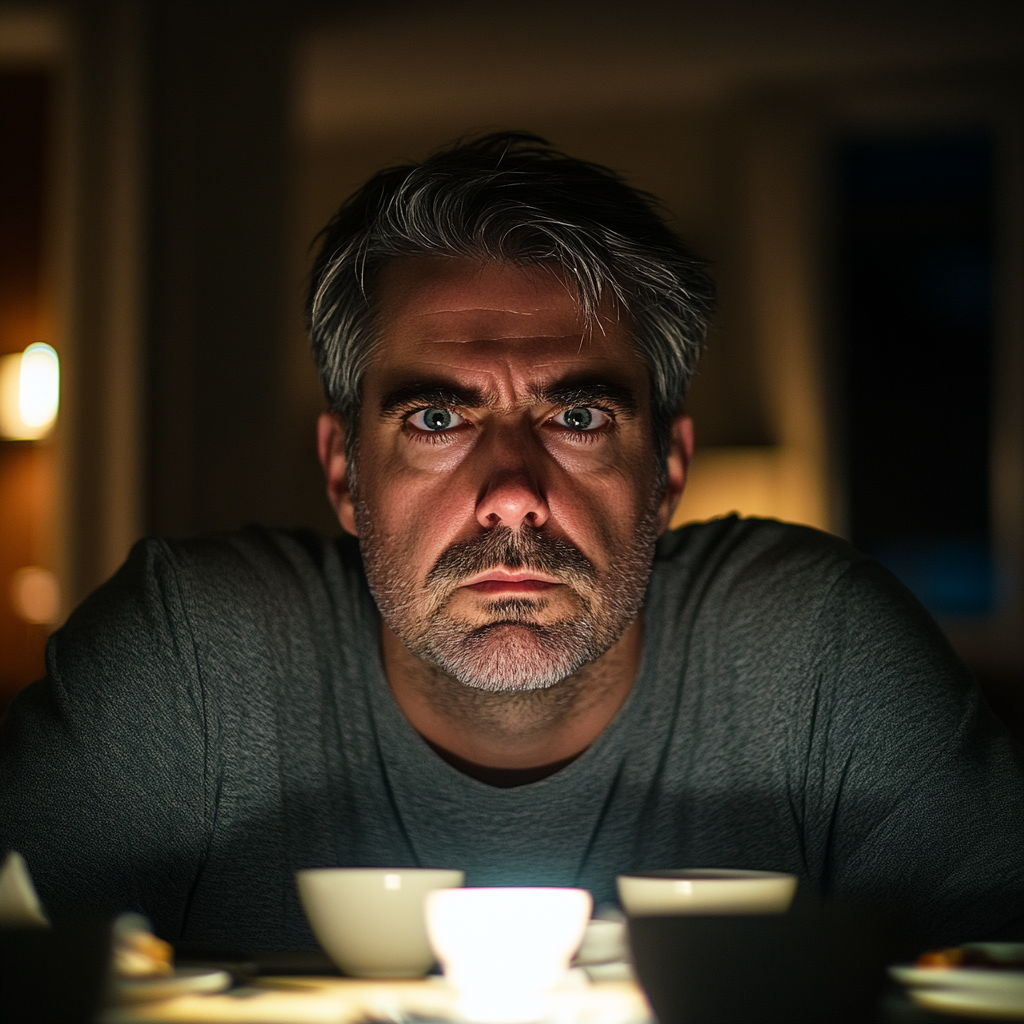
[[854, 171]]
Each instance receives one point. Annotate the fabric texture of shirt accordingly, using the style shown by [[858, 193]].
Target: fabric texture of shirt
[[216, 717]]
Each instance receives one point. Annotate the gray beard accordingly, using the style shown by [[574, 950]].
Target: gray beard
[[511, 653]]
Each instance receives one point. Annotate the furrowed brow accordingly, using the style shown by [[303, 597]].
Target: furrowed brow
[[430, 393], [590, 393]]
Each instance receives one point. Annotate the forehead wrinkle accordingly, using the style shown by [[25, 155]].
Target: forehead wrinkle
[[477, 308], [512, 372], [568, 389], [427, 327]]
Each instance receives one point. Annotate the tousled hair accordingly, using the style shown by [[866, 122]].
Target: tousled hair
[[511, 196]]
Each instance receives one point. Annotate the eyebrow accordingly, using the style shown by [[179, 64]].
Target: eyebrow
[[565, 393], [431, 393], [589, 392]]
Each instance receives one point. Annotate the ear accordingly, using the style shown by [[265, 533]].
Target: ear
[[330, 437], [680, 455]]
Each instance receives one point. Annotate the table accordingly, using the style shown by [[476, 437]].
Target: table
[[323, 1000]]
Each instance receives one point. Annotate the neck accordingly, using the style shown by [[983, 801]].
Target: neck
[[525, 732]]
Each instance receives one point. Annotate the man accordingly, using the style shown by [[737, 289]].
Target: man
[[516, 669]]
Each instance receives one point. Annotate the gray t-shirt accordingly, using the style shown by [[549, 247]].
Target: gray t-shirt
[[216, 716]]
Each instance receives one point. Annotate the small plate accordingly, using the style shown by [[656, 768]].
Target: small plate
[[184, 981], [996, 1005], [964, 979]]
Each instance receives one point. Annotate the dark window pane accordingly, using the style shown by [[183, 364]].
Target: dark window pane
[[916, 277]]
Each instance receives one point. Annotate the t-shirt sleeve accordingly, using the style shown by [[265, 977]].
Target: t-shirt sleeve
[[104, 781], [916, 791]]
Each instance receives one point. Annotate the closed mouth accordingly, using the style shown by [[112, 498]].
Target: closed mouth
[[505, 581]]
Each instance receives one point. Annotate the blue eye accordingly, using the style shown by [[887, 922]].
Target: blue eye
[[582, 418], [435, 420]]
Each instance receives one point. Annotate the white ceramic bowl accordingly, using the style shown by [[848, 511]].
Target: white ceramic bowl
[[706, 891], [370, 920], [505, 949]]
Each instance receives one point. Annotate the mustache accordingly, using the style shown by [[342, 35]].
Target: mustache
[[505, 548]]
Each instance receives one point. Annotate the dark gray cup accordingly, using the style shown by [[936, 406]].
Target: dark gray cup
[[815, 965]]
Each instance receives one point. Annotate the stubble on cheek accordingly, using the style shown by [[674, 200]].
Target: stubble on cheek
[[413, 609], [508, 644], [388, 559]]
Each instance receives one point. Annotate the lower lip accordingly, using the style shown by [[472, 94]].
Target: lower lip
[[511, 587]]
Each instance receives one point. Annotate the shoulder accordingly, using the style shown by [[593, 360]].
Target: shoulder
[[173, 596], [805, 609], [740, 539], [733, 560], [800, 576], [255, 554], [240, 572], [774, 594]]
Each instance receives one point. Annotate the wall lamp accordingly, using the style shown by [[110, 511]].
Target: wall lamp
[[29, 393]]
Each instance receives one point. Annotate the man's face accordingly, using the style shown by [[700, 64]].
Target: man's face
[[506, 502]]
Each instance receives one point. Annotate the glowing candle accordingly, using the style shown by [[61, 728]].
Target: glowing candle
[[29, 392], [505, 950]]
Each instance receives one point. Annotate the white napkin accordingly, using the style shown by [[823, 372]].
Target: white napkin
[[19, 904]]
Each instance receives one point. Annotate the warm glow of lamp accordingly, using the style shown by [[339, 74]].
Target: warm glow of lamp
[[29, 392], [505, 950], [35, 595]]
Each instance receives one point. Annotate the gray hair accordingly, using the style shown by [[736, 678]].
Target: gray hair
[[511, 196]]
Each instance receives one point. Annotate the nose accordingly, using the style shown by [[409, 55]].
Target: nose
[[512, 493]]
